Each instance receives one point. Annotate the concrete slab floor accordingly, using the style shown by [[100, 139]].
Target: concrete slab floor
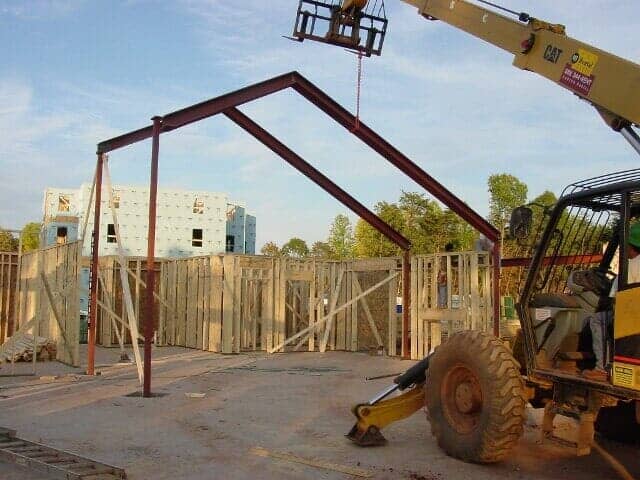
[[296, 403]]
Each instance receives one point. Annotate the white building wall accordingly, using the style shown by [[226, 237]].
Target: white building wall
[[250, 234], [179, 213], [54, 200], [177, 217], [235, 227]]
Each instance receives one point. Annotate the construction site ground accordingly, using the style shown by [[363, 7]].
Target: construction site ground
[[255, 408]]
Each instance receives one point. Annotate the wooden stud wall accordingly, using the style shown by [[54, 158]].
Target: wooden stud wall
[[466, 303], [236, 303], [8, 285], [49, 292], [110, 293]]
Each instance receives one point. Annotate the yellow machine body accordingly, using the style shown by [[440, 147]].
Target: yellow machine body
[[626, 360]]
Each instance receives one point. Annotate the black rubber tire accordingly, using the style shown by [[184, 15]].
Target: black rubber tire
[[619, 423], [498, 419]]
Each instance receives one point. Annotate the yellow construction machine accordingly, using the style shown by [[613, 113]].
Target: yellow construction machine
[[475, 387]]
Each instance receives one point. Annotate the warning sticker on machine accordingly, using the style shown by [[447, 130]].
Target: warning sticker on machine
[[578, 75], [622, 376], [576, 81], [542, 314]]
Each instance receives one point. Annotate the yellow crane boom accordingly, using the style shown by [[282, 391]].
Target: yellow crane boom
[[609, 82]]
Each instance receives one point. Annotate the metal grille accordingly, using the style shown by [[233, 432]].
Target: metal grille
[[584, 228]]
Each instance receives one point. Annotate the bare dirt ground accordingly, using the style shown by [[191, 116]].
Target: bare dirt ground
[[296, 404]]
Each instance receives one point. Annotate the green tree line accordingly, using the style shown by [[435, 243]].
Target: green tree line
[[30, 235], [429, 226]]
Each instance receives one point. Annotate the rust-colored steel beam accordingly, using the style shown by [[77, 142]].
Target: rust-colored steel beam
[[341, 115], [93, 288], [315, 176], [150, 313], [227, 103], [203, 110], [332, 108], [559, 260]]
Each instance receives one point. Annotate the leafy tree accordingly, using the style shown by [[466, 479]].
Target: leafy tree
[[296, 248], [459, 233], [31, 236], [507, 193], [321, 250], [8, 243], [421, 220], [370, 242], [341, 239], [270, 249]]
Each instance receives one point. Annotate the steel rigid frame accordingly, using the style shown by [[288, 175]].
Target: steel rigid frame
[[226, 104]]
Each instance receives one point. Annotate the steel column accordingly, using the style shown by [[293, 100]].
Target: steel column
[[315, 176], [151, 253], [95, 247]]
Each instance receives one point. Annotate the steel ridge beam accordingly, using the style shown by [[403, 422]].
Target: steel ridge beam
[[332, 108], [297, 162], [202, 110]]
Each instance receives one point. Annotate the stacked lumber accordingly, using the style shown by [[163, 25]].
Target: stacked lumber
[[21, 349]]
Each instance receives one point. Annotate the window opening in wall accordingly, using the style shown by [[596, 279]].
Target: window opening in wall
[[196, 237], [231, 240], [198, 206], [61, 236], [111, 233], [64, 203]]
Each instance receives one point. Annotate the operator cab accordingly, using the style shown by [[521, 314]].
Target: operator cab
[[577, 257]]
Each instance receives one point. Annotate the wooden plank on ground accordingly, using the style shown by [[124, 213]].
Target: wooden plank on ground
[[356, 472]]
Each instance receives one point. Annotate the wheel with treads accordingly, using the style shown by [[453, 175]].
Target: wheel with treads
[[474, 396]]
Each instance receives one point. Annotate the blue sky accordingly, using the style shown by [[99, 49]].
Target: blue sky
[[75, 72]]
